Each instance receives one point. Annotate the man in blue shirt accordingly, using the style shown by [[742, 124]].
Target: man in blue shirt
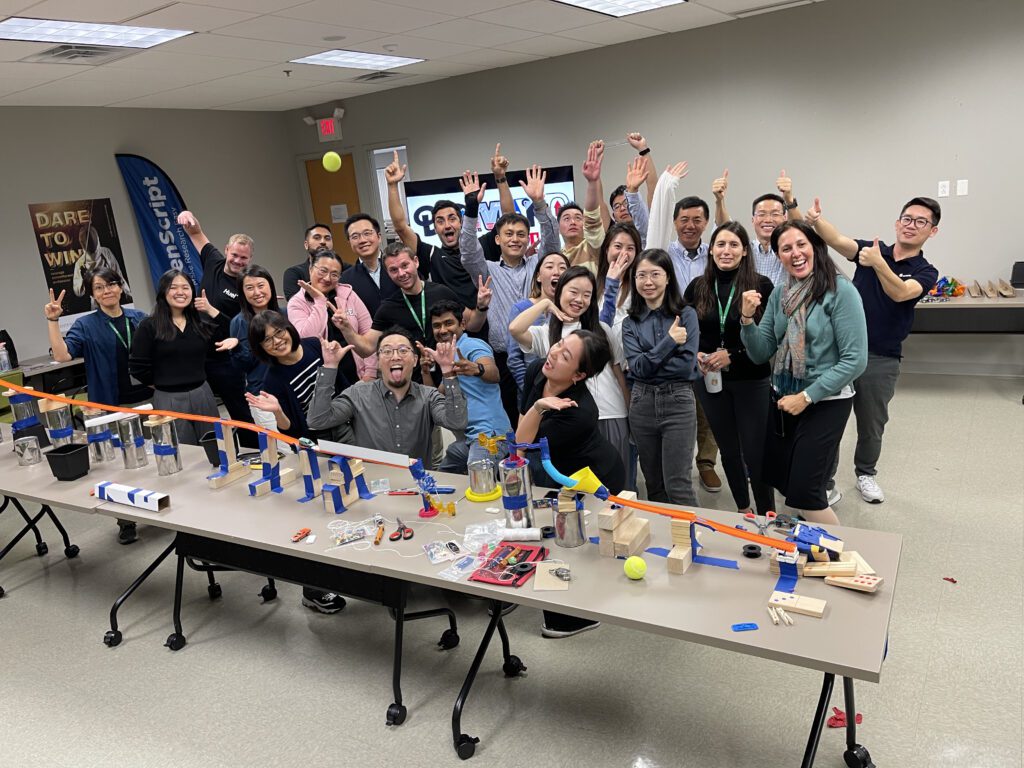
[[478, 378], [891, 279]]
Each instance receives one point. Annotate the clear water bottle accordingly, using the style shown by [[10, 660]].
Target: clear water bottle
[[5, 358]]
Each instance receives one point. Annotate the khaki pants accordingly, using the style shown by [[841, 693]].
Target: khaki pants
[[707, 448]]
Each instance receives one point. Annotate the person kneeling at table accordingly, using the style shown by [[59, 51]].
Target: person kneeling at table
[[558, 405]]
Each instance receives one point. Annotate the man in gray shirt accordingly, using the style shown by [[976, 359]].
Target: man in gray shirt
[[392, 413]]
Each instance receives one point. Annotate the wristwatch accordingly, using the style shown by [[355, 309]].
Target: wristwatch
[[480, 367], [790, 206], [807, 397]]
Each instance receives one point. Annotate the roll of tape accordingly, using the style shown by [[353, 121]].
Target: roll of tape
[[548, 531], [753, 551]]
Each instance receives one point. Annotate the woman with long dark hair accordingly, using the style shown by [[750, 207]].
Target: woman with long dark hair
[[618, 252], [542, 286], [737, 410], [170, 348], [814, 325], [660, 337]]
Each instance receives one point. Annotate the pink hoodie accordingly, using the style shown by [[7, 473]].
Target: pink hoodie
[[310, 320]]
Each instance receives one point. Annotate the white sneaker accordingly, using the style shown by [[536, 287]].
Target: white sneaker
[[869, 489], [834, 497]]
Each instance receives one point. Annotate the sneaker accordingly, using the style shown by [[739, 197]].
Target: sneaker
[[709, 480], [127, 532], [834, 497], [869, 489], [325, 602], [545, 631]]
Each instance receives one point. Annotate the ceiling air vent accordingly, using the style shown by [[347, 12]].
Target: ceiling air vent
[[376, 77], [71, 53]]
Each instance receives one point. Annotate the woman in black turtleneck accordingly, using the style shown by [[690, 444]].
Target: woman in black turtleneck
[[738, 415]]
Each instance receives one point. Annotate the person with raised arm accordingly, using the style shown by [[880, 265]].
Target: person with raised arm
[[581, 228]]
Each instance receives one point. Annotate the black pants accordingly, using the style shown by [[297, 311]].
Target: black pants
[[509, 389], [738, 416], [228, 383]]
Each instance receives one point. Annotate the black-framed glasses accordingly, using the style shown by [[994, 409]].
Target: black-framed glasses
[[918, 222]]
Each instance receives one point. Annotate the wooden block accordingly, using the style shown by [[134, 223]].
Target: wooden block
[[627, 495], [773, 563], [638, 547], [864, 583], [606, 545], [837, 568], [863, 569], [609, 518], [679, 559], [236, 471], [808, 606], [629, 537], [156, 421]]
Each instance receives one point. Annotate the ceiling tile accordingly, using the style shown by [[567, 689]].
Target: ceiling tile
[[99, 11], [541, 15], [488, 59], [210, 65], [309, 74], [252, 6], [15, 7], [476, 33], [239, 48], [549, 45], [734, 6], [443, 68], [198, 18], [298, 31], [609, 32], [36, 73], [12, 50], [155, 79], [77, 94], [414, 47], [366, 14], [680, 17], [453, 7], [179, 98]]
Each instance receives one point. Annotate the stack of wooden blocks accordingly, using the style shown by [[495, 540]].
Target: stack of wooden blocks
[[681, 556], [621, 534], [339, 495]]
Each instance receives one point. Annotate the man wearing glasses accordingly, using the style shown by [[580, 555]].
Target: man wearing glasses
[[368, 277], [392, 413], [318, 238], [891, 280]]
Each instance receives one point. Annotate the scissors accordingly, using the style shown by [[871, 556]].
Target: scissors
[[404, 532]]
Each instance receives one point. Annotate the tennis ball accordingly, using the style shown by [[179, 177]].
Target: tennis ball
[[331, 161], [635, 567]]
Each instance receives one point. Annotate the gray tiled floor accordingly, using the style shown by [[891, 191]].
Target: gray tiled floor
[[276, 685]]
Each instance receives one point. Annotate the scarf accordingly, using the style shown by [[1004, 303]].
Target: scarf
[[791, 359]]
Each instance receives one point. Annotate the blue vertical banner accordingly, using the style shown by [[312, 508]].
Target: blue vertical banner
[[157, 203]]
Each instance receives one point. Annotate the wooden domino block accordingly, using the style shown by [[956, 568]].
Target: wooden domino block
[[808, 606], [773, 563], [861, 583], [680, 559], [863, 569], [680, 532], [630, 537], [610, 518], [234, 472], [606, 545], [832, 568]]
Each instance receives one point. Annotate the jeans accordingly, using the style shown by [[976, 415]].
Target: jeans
[[663, 422]]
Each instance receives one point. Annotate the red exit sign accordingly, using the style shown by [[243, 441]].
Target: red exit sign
[[329, 129]]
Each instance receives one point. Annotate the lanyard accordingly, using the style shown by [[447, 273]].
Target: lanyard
[[723, 312], [421, 319], [128, 329]]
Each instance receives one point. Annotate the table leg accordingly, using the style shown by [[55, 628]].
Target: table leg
[[113, 635], [176, 640], [30, 525], [819, 720], [855, 756], [396, 712], [70, 550]]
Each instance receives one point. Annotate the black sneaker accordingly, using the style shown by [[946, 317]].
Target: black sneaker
[[325, 602], [127, 532]]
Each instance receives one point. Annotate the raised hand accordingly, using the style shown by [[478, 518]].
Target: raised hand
[[227, 345], [534, 184], [264, 401], [679, 170], [316, 293], [751, 301], [785, 185], [189, 223], [592, 165], [483, 292], [619, 264], [332, 352], [464, 367], [871, 256], [426, 356], [554, 404], [342, 321], [636, 141], [444, 356], [553, 309], [812, 214], [499, 163], [395, 172], [677, 331], [203, 304], [470, 183], [636, 172], [720, 185], [54, 308]]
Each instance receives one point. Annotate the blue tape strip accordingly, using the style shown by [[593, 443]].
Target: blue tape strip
[[159, 449], [21, 424], [747, 627], [61, 432], [116, 441], [98, 437], [364, 491], [514, 502], [101, 489], [659, 551], [695, 545], [139, 441], [788, 575], [131, 494], [18, 398]]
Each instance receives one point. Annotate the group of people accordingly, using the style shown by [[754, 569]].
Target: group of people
[[620, 335]]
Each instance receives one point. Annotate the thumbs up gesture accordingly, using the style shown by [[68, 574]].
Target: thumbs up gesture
[[813, 213], [203, 304], [720, 185], [785, 186], [677, 331], [870, 257]]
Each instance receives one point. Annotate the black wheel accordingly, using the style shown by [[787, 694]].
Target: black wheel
[[112, 638], [41, 548], [449, 639], [513, 667], [268, 593], [858, 757], [175, 641], [214, 590], [2, 593], [466, 746], [396, 714], [71, 552]]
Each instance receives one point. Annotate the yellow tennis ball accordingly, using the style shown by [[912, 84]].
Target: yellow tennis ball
[[331, 161], [635, 567]]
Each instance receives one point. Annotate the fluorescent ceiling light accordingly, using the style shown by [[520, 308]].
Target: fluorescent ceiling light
[[115, 35], [620, 7], [356, 60]]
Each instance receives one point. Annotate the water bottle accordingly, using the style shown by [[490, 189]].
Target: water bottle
[[5, 358]]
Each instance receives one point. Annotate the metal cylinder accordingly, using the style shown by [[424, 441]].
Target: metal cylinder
[[133, 444], [516, 492], [165, 447], [59, 425], [24, 411], [481, 476], [27, 450], [101, 445], [570, 526]]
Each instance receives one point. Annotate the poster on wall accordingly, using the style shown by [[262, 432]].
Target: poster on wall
[[420, 197], [75, 237], [156, 203]]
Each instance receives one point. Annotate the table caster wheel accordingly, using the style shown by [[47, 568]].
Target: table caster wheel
[[41, 548], [112, 638], [175, 641], [71, 552], [513, 667], [466, 746], [215, 591], [449, 639], [268, 593], [396, 714], [858, 757], [2, 593]]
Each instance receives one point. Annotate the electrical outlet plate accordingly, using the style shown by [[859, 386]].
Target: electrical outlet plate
[[961, 187], [943, 189]]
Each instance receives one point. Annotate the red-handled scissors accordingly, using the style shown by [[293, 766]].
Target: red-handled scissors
[[404, 532]]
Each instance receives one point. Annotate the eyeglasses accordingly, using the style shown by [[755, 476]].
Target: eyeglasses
[[918, 222], [104, 287], [357, 236], [325, 272], [656, 276], [620, 207], [277, 335], [403, 351], [761, 215]]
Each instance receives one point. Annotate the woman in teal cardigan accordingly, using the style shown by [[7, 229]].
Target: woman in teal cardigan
[[814, 325]]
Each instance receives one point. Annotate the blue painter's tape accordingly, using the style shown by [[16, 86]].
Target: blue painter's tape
[[18, 398], [101, 490], [514, 502], [131, 494], [61, 432], [788, 575], [695, 545], [98, 437], [744, 627], [139, 441], [116, 441], [164, 450], [21, 424], [659, 551], [364, 491], [595, 539]]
